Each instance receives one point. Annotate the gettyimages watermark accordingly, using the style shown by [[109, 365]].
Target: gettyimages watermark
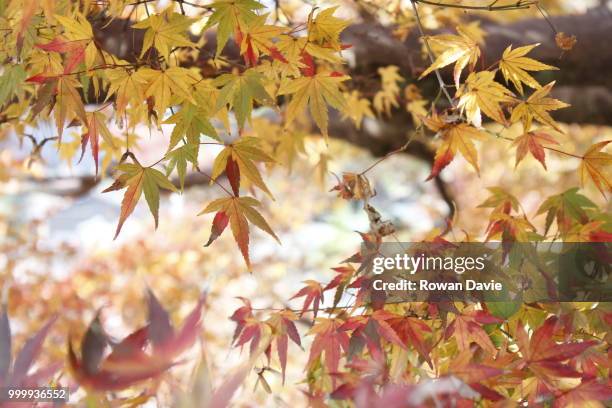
[[475, 272]]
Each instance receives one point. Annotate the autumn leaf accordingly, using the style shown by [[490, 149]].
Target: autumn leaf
[[79, 30], [240, 211], [412, 330], [126, 87], [481, 93], [229, 16], [18, 373], [256, 39], [128, 363], [315, 91], [596, 166], [357, 108], [313, 295], [244, 152], [283, 328], [387, 97], [591, 394], [68, 103], [139, 179], [178, 158], [164, 32], [456, 137], [467, 329], [537, 107], [514, 66], [96, 127], [460, 49], [166, 86], [500, 200], [544, 356], [326, 29], [329, 342], [240, 91], [532, 142], [566, 208], [190, 122]]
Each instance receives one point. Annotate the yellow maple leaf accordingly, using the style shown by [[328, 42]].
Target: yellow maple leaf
[[481, 93], [257, 38], [514, 66], [164, 32], [357, 108], [456, 137], [125, 88], [326, 29], [386, 98], [461, 49], [78, 29], [537, 107], [596, 165], [173, 82], [314, 91]]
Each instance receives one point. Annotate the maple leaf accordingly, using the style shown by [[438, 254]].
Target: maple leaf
[[257, 39], [313, 292], [164, 32], [191, 121], [314, 91], [410, 330], [239, 91], [166, 86], [283, 327], [178, 159], [537, 107], [387, 97], [68, 101], [461, 49], [11, 82], [78, 30], [326, 29], [357, 108], [565, 207], [467, 328], [18, 373], [96, 126], [239, 211], [481, 93], [595, 165], [500, 200], [126, 87], [139, 179], [532, 142], [514, 66], [229, 16], [128, 363], [244, 152], [589, 394], [456, 137], [330, 341], [543, 355]]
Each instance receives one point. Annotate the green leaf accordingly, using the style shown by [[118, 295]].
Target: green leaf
[[153, 180], [11, 82], [240, 91], [178, 159], [191, 122]]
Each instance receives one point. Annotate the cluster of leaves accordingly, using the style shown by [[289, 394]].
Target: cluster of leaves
[[371, 352]]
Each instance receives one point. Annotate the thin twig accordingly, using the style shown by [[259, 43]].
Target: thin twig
[[430, 52]]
